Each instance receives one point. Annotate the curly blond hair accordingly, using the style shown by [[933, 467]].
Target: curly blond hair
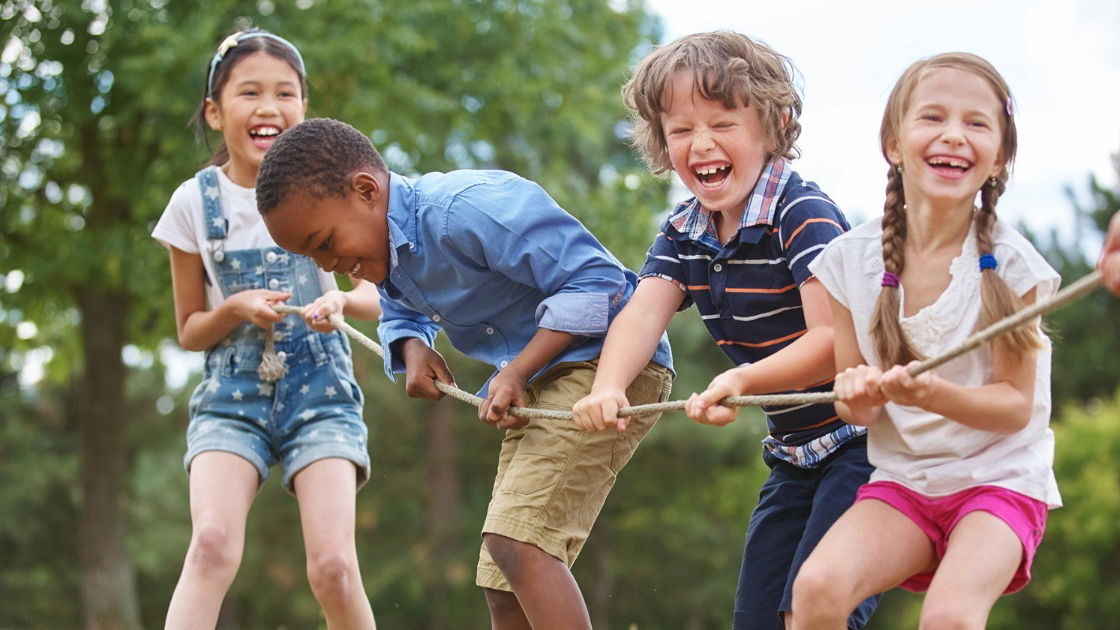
[[727, 67]]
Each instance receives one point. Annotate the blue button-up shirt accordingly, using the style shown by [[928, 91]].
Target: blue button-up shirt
[[489, 258]]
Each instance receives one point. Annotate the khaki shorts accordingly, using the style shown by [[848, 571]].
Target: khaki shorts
[[553, 478]]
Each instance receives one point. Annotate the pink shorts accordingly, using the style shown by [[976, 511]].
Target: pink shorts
[[938, 516]]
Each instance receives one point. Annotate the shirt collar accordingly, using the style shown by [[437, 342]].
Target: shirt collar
[[696, 223], [401, 216]]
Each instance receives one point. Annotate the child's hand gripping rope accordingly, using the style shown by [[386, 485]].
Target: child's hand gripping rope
[[1072, 292]]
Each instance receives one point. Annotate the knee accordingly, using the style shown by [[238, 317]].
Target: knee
[[946, 615], [332, 574], [510, 555], [819, 594], [214, 551], [502, 604]]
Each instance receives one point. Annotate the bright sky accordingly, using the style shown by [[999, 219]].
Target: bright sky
[[1060, 57]]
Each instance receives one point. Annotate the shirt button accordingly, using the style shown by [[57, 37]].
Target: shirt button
[[436, 318], [717, 267], [270, 257], [219, 256], [489, 330], [273, 283], [504, 363]]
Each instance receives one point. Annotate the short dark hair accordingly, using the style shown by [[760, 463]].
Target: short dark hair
[[317, 156]]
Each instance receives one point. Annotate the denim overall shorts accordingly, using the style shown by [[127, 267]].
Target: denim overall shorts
[[314, 411]]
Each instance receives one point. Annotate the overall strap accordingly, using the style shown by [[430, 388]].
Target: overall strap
[[216, 223], [273, 365]]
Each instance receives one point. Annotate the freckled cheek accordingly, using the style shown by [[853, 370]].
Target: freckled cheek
[[678, 158]]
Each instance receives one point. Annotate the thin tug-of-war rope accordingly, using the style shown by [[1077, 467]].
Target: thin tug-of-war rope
[[1072, 292]]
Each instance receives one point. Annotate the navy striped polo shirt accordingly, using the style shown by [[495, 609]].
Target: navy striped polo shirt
[[748, 294]]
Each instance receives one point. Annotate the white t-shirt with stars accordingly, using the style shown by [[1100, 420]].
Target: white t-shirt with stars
[[183, 226]]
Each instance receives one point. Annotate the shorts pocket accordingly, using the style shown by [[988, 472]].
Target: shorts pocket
[[532, 474]]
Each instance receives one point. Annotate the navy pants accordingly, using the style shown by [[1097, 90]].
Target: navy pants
[[796, 506]]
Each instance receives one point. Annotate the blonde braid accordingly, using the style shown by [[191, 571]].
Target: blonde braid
[[890, 341], [997, 300]]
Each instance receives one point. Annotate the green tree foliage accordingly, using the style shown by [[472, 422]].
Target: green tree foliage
[[1085, 365], [93, 502], [92, 124]]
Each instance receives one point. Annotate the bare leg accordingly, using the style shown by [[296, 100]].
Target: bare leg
[[222, 486], [543, 586], [325, 490], [505, 611], [982, 557], [871, 548]]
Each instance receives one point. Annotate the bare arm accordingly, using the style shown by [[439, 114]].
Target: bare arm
[[858, 398], [361, 302], [1110, 256], [805, 362], [200, 329], [508, 387], [631, 342], [1002, 406]]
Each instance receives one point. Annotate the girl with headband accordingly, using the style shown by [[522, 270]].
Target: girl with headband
[[275, 389]]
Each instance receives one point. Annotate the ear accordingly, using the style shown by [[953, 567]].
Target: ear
[[776, 141], [213, 114], [893, 152], [303, 113], [367, 186], [997, 166]]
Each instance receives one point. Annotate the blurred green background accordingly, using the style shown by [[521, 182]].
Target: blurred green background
[[93, 501]]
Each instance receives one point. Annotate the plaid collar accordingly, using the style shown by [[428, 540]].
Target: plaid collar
[[698, 224]]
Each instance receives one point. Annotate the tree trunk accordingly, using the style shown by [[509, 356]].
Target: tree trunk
[[603, 581], [443, 504], [108, 585]]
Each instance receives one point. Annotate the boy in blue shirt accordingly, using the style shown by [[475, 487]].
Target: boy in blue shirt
[[721, 110], [514, 281]]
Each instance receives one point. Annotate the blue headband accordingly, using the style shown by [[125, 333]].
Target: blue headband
[[234, 40]]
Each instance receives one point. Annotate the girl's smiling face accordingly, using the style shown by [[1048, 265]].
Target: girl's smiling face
[[949, 141], [260, 99]]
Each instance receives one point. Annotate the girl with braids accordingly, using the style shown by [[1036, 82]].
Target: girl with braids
[[963, 454]]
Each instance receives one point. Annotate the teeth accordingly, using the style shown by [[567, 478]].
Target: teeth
[[711, 170], [942, 161], [266, 131], [355, 269]]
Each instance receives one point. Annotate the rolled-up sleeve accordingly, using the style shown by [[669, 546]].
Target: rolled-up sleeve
[[576, 313], [399, 322]]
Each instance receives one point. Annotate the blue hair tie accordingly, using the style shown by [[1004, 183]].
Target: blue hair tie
[[987, 261], [232, 41]]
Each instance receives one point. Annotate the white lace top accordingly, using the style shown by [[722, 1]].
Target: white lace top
[[921, 450]]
